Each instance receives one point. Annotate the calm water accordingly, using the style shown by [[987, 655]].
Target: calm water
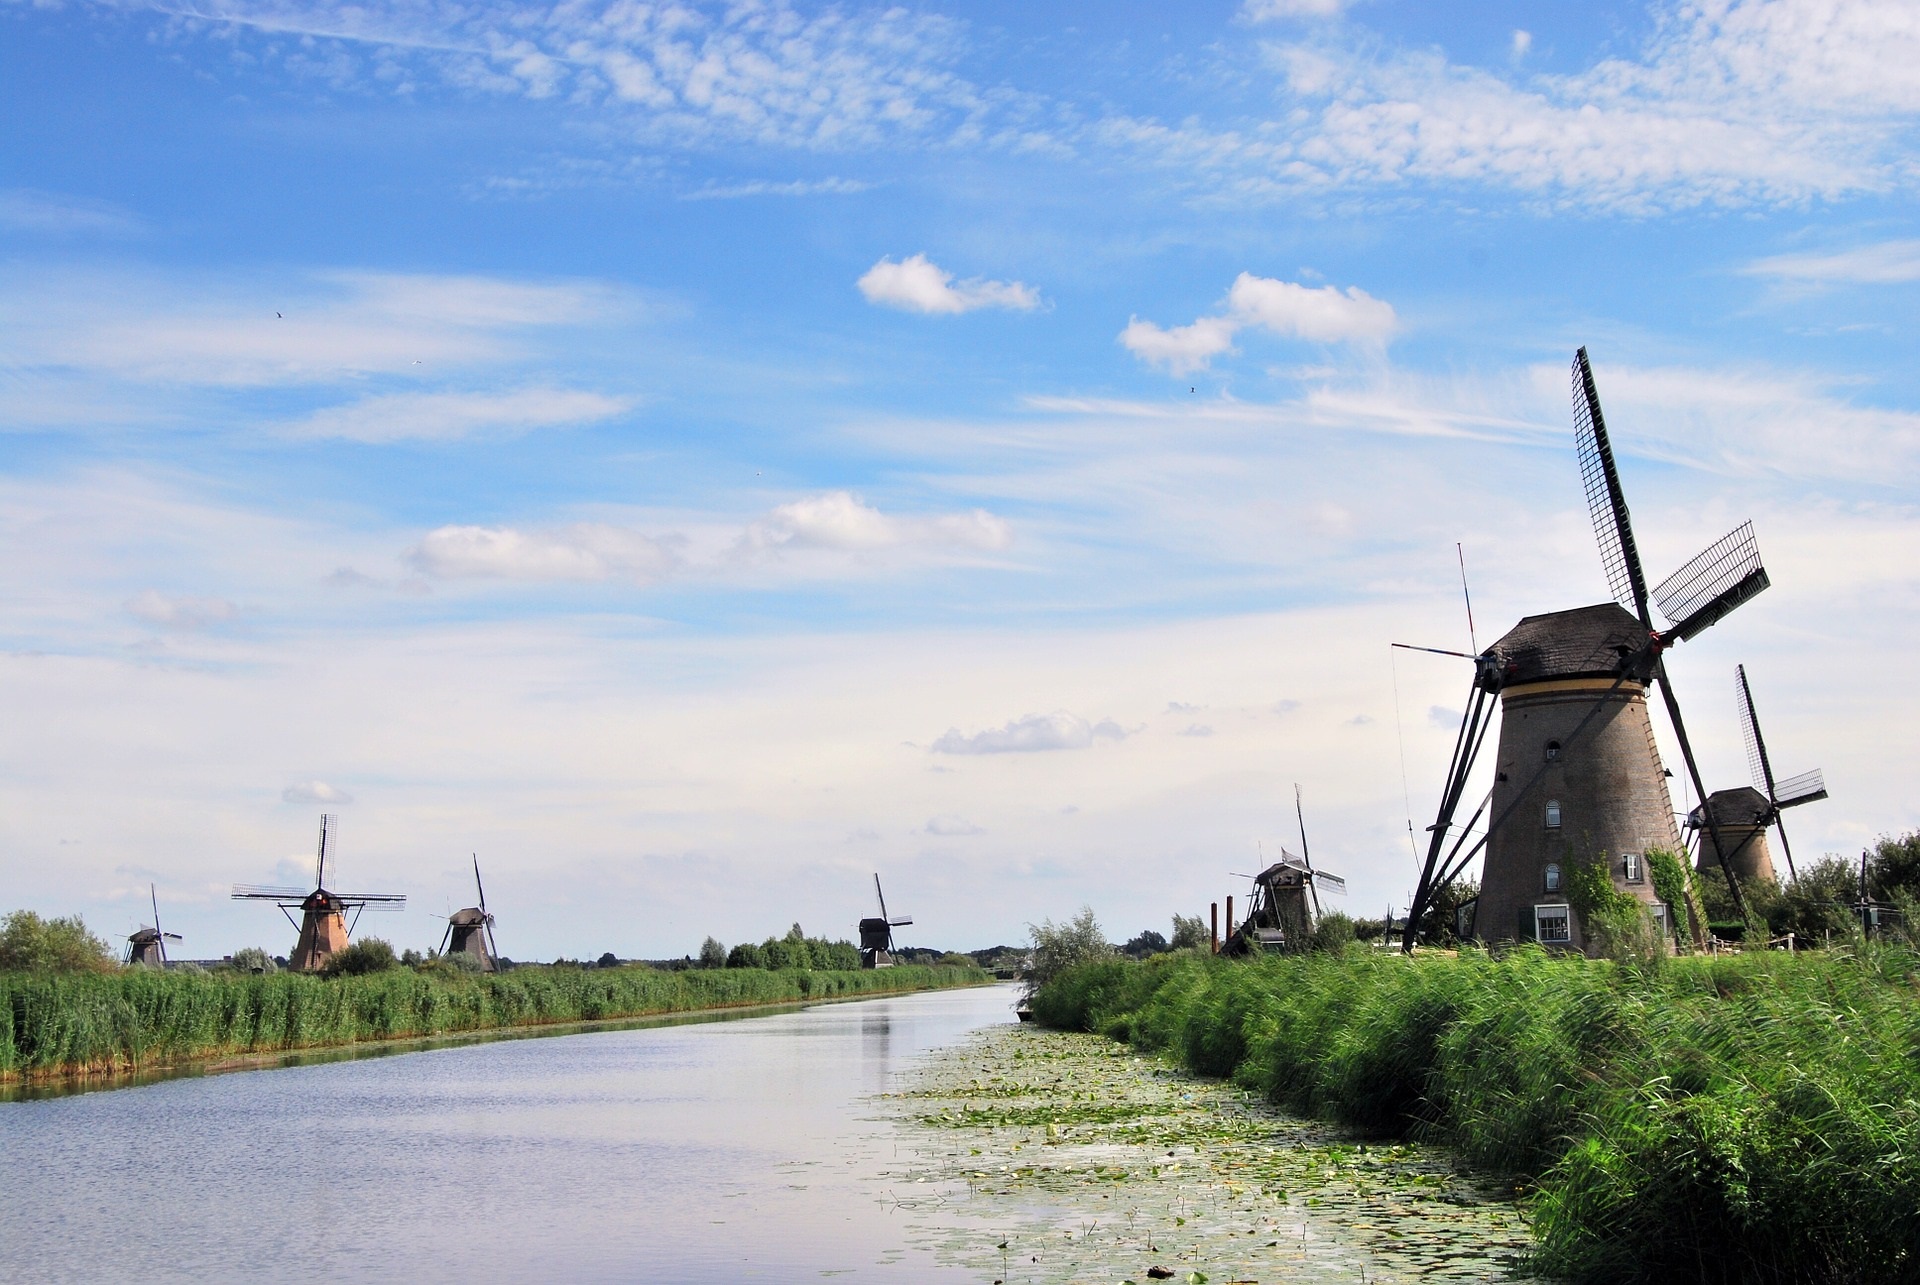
[[733, 1151]]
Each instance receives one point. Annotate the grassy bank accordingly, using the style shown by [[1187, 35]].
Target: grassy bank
[[77, 1024], [1748, 1118]]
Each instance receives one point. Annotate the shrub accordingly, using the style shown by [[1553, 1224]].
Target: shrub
[[1058, 947], [32, 944], [368, 955], [712, 953], [1189, 932], [746, 955], [1147, 943], [1333, 933], [252, 959]]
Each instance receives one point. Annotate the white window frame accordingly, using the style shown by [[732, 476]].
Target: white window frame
[[1553, 814], [1658, 910], [1633, 868], [1562, 912]]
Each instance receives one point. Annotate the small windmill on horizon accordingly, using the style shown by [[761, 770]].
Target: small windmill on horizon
[[323, 925], [876, 932], [148, 946], [470, 931], [1743, 815]]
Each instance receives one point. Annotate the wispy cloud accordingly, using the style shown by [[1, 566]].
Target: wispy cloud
[[917, 285], [953, 827], [314, 792], [840, 520], [394, 417], [1884, 263], [175, 611], [579, 552], [28, 210], [795, 187], [1060, 730]]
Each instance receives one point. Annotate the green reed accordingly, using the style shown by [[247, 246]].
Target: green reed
[[1739, 1118], [69, 1024]]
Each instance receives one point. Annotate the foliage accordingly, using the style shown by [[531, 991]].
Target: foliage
[[1058, 947], [607, 960], [1439, 925], [368, 955], [1615, 924], [1819, 904], [796, 950], [1333, 933], [1673, 884], [1894, 865], [1189, 933], [1147, 943], [252, 959], [66, 1024], [64, 945], [746, 955], [1751, 1117], [712, 953]]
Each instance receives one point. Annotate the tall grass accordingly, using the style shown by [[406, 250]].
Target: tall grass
[[69, 1024], [1750, 1118]]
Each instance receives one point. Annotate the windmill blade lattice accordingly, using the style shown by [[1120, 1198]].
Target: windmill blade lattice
[[1718, 579], [1606, 503]]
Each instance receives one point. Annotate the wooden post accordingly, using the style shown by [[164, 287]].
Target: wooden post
[[1216, 928], [1229, 918]]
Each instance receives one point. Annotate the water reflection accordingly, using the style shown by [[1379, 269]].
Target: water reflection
[[689, 1152]]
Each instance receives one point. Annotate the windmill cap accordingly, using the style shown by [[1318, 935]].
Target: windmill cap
[[468, 917], [1742, 806], [1587, 642]]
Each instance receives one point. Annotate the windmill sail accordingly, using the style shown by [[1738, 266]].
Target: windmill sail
[[1804, 788], [1606, 502], [1718, 579]]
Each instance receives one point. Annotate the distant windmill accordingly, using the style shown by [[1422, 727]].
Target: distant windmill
[[876, 933], [1743, 815], [1577, 772], [1285, 905], [149, 945], [323, 913], [470, 931]]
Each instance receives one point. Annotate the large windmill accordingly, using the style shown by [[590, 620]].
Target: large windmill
[[149, 945], [1577, 774], [1743, 815], [323, 913], [876, 933], [470, 931]]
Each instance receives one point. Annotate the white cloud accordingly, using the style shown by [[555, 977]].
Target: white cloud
[[1443, 719], [181, 612], [444, 417], [1179, 349], [1059, 730], [314, 792], [917, 285], [842, 521], [1197, 729], [1323, 314], [1731, 102], [952, 827], [1522, 43], [27, 210], [581, 552], [678, 75], [1887, 263]]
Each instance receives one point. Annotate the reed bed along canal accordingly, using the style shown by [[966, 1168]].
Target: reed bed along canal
[[901, 1138]]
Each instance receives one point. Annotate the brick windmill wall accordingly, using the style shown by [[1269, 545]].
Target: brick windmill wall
[[1602, 794]]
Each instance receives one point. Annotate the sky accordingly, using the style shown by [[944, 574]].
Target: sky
[[695, 456]]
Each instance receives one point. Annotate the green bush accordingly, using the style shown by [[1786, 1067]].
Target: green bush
[[368, 955], [32, 944], [1751, 1117], [252, 959], [1058, 947]]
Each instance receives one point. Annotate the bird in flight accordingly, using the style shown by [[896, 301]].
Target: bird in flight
[[282, 316]]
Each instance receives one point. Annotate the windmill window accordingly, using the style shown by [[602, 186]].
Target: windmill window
[[1553, 814], [1659, 912], [1552, 924], [1553, 876], [1630, 867], [1553, 751]]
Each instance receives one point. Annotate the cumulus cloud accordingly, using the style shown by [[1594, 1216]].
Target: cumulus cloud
[[449, 416], [170, 611], [842, 521], [314, 792], [950, 827], [1887, 263], [1318, 314], [1270, 10], [1059, 730], [584, 551], [919, 285]]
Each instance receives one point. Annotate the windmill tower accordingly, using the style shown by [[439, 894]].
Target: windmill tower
[[876, 933], [1285, 905], [470, 931], [1577, 775], [323, 924], [149, 945], [1744, 815]]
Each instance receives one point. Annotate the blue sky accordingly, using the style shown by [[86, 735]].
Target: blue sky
[[696, 455]]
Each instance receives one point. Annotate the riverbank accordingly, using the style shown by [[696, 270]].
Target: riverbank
[[1739, 1118], [1048, 1156], [75, 1026]]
